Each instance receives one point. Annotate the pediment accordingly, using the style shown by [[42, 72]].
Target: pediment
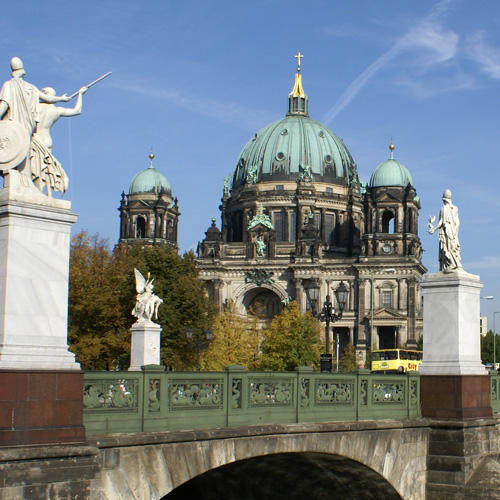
[[260, 228], [387, 314], [139, 204], [388, 197]]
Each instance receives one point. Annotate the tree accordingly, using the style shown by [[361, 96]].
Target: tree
[[185, 300], [235, 341], [348, 360], [98, 329], [487, 348], [102, 295], [292, 340]]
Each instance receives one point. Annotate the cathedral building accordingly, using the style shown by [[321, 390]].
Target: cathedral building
[[149, 212], [295, 217]]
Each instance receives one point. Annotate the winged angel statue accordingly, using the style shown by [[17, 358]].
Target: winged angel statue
[[147, 302]]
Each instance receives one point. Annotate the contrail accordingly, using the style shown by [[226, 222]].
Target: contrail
[[382, 61]]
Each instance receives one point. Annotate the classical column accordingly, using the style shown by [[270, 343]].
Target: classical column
[[300, 294]]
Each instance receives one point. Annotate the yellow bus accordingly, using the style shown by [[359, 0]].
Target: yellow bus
[[395, 360]]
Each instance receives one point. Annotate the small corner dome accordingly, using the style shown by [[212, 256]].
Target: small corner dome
[[150, 180], [391, 173]]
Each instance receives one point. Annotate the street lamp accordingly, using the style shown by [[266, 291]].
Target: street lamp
[[198, 345], [494, 342], [388, 270], [328, 315]]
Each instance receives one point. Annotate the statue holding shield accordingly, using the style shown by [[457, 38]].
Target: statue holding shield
[[26, 117], [19, 111]]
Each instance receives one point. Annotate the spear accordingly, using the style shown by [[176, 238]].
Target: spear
[[93, 83]]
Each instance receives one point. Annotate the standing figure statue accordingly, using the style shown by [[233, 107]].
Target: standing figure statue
[[448, 224], [45, 169], [19, 104], [147, 302], [260, 247]]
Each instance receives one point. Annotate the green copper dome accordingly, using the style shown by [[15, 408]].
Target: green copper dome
[[391, 173], [293, 147], [150, 181]]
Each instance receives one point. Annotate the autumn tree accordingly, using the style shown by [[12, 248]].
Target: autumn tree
[[348, 360], [292, 340], [102, 295], [98, 328], [185, 300], [235, 341]]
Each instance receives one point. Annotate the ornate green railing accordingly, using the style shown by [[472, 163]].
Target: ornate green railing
[[155, 400], [495, 392]]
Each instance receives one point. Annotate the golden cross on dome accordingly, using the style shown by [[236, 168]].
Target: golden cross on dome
[[298, 56]]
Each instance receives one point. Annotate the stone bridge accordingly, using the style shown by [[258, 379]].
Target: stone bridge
[[286, 444]]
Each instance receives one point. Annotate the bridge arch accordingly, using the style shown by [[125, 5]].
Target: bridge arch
[[288, 476], [395, 452]]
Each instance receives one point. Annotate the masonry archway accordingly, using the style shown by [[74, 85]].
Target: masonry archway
[[288, 476]]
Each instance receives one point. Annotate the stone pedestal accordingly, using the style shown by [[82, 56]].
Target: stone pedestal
[[454, 383], [34, 270], [41, 385], [41, 407], [145, 348], [451, 324]]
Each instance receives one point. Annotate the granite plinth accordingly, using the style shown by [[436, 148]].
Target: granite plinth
[[455, 396], [41, 407], [145, 348], [34, 271], [451, 324]]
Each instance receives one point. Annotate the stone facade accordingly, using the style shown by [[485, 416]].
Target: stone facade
[[149, 213], [296, 212]]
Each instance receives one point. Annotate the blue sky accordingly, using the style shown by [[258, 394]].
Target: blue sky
[[195, 80]]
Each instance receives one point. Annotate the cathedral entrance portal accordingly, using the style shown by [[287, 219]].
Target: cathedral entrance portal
[[263, 303]]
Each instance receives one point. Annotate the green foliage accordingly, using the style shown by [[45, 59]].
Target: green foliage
[[420, 344], [292, 340], [487, 348], [348, 360], [185, 300], [235, 341], [98, 330], [102, 295]]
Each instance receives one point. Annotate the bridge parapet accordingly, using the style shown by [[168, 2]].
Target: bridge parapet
[[154, 400], [495, 392]]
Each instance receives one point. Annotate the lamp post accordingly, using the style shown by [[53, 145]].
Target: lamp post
[[327, 316], [494, 342], [388, 270], [198, 345]]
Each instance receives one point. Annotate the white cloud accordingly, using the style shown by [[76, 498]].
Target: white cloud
[[490, 262], [486, 56], [220, 110], [440, 46]]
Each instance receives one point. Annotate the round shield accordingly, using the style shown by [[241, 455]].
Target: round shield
[[14, 144]]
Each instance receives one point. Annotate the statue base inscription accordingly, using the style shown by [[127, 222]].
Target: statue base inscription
[[145, 348], [34, 270], [451, 324]]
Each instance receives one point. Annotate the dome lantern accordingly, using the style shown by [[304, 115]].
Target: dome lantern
[[298, 102]]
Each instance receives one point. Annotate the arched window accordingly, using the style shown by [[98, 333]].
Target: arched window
[[140, 227], [388, 222]]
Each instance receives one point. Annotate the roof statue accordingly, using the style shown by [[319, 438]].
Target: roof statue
[[448, 224], [147, 302], [27, 115]]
